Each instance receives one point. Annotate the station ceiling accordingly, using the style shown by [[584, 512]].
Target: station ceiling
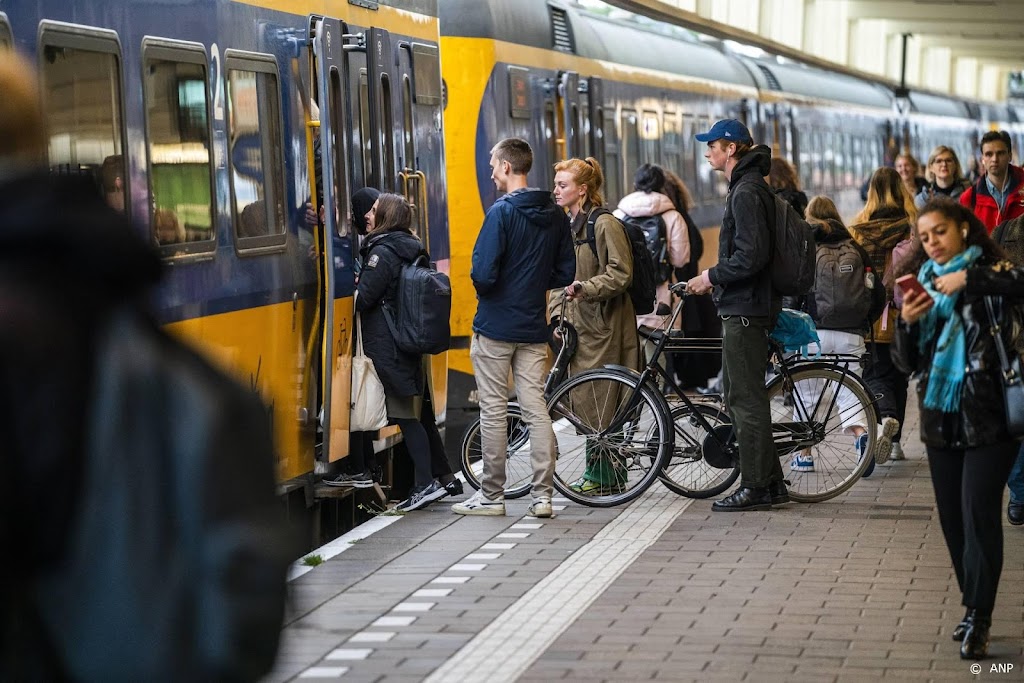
[[952, 41]]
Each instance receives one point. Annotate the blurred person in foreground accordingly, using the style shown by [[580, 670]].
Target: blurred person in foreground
[[128, 568]]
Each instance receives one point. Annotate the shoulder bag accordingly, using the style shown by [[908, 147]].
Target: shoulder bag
[[1013, 385], [369, 410]]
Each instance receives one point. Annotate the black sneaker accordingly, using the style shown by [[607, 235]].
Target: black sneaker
[[421, 497], [360, 480], [454, 487]]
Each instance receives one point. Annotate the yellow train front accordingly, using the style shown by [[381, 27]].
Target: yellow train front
[[195, 119]]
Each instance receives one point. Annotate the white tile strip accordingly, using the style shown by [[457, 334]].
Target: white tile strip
[[450, 579], [482, 556], [462, 567], [342, 543], [413, 606], [556, 508], [433, 592], [350, 653], [507, 647], [394, 621], [513, 535], [522, 525], [498, 546], [324, 672], [372, 637]]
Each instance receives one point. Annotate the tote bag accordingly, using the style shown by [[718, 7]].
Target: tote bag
[[369, 412]]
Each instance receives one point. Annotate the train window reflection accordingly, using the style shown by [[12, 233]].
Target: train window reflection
[[178, 145], [254, 150], [630, 144], [82, 99], [410, 153], [612, 167]]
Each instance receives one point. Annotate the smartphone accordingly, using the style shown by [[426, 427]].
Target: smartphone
[[909, 283]]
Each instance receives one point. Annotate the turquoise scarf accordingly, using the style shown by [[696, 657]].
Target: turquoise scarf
[[947, 374]]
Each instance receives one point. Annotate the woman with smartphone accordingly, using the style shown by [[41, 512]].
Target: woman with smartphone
[[945, 337]]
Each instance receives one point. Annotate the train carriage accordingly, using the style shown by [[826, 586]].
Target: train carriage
[[195, 118]]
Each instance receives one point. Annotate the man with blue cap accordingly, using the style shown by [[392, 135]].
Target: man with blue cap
[[748, 306]]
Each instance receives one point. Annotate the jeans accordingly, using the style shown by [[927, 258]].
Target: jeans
[[492, 360], [744, 356], [1016, 482], [884, 378]]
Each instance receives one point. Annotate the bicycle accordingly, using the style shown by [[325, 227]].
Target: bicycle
[[697, 457]]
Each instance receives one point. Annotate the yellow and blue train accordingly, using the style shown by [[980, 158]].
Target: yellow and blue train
[[576, 81], [196, 118]]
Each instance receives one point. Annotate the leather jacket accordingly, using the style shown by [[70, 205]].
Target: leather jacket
[[981, 420]]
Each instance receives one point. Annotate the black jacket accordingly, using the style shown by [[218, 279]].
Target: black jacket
[[982, 417], [524, 249], [65, 259], [383, 256], [743, 283]]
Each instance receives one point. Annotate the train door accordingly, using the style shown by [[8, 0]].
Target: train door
[[334, 238], [594, 112], [380, 71], [568, 115], [412, 180]]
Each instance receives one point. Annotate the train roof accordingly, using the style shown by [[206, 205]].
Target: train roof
[[566, 27], [809, 81], [938, 105]]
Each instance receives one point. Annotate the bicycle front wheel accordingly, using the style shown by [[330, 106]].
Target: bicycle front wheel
[[518, 468], [818, 433], [614, 436]]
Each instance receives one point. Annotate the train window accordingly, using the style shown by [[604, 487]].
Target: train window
[[387, 137], [551, 142], [364, 125], [828, 160], [6, 39], [858, 159], [254, 150], [806, 163], [407, 130], [612, 165], [688, 170], [630, 144], [80, 75], [177, 106], [670, 141], [426, 65], [650, 138], [705, 176]]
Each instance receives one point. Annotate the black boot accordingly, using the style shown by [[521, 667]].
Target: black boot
[[1015, 513], [778, 492], [975, 645], [745, 499], [965, 623]]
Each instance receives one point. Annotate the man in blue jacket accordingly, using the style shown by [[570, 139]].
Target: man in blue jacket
[[748, 306], [524, 249]]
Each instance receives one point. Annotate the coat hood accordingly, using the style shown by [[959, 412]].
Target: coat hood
[[404, 243], [535, 206], [63, 225], [758, 160], [640, 204]]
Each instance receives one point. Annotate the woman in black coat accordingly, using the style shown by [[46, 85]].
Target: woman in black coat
[[946, 340], [389, 245]]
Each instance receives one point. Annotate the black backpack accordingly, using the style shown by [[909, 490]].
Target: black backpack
[[422, 322], [644, 287], [691, 269], [175, 561], [654, 230], [793, 250]]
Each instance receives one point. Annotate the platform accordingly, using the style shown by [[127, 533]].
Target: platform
[[858, 588]]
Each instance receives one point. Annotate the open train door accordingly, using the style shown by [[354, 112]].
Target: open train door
[[327, 62]]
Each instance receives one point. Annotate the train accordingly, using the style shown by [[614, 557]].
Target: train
[[198, 118], [578, 82]]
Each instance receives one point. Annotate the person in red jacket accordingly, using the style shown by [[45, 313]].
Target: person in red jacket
[[999, 195]]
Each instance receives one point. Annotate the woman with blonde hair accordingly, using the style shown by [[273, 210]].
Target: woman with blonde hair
[[944, 176], [884, 222], [909, 170], [598, 302]]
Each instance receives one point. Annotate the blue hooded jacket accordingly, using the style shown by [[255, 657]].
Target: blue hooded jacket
[[524, 249]]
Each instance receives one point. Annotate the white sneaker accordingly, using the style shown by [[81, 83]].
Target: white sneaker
[[897, 452], [540, 508], [479, 504], [884, 443]]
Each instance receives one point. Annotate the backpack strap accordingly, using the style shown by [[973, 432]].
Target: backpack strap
[[592, 217]]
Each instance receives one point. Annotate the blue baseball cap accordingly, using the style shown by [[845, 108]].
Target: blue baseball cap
[[727, 129]]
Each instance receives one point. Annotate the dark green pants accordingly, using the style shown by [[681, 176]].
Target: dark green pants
[[744, 358]]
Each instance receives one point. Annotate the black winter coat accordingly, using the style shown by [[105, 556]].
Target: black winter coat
[[982, 417], [742, 279], [383, 256]]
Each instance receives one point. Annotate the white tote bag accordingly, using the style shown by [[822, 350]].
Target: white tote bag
[[369, 412]]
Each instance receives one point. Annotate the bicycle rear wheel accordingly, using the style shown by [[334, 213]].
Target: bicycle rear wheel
[[827, 405], [518, 469], [613, 437], [702, 465]]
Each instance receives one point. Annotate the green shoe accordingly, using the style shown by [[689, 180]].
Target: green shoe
[[586, 487]]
